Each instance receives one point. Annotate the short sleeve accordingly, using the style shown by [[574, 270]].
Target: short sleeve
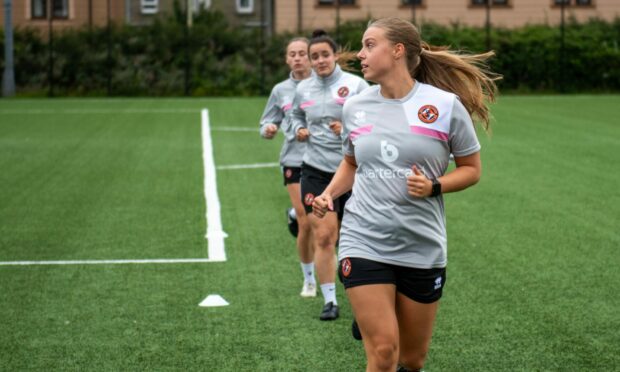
[[463, 139], [347, 145]]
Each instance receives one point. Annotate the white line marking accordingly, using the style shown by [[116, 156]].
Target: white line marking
[[215, 235], [247, 166], [96, 111], [108, 262]]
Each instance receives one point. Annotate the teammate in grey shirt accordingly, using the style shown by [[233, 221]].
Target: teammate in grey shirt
[[317, 110], [398, 139], [277, 115]]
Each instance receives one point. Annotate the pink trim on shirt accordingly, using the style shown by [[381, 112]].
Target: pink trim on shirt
[[287, 107], [429, 132], [359, 131], [341, 101], [306, 104]]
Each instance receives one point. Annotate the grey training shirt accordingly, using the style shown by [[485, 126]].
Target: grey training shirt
[[318, 102], [382, 222], [278, 111]]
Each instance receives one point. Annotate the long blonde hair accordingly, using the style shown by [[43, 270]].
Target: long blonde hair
[[466, 75]]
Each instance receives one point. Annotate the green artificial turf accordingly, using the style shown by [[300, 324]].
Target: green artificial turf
[[533, 248]]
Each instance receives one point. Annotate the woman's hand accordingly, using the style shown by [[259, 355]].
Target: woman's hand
[[270, 131], [322, 204], [336, 127], [418, 184], [302, 134]]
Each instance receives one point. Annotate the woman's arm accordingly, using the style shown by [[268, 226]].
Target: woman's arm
[[340, 184], [467, 173]]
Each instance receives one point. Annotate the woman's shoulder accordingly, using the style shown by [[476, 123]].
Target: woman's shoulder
[[432, 91], [363, 97], [351, 77]]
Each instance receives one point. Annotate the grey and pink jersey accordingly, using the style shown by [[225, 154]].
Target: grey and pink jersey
[[382, 222], [318, 102], [278, 111]]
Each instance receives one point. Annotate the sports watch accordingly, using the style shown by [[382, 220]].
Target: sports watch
[[436, 189]]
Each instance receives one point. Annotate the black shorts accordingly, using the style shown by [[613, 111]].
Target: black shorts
[[313, 183], [291, 174], [420, 285]]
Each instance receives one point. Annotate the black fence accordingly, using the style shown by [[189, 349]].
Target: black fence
[[212, 58]]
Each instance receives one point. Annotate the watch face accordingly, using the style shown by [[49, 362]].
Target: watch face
[[436, 188]]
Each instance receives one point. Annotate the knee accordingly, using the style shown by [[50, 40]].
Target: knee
[[303, 223], [385, 356], [324, 238], [413, 361]]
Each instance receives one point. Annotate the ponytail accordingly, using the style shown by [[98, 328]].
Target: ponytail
[[466, 75], [345, 56]]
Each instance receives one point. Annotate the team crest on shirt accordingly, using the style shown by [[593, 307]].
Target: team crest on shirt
[[428, 114], [288, 173], [308, 199], [343, 92], [346, 267]]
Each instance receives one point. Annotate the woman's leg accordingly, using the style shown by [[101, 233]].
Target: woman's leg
[[415, 324], [324, 236], [304, 241], [305, 249], [374, 308]]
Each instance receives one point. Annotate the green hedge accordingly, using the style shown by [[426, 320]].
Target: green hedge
[[216, 59]]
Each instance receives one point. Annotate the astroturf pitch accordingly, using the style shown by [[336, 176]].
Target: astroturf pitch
[[533, 248]]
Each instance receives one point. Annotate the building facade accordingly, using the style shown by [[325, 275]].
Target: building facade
[[296, 15], [62, 14]]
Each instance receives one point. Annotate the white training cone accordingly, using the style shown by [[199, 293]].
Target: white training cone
[[213, 300]]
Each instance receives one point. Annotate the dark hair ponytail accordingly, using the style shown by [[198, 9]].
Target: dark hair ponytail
[[345, 57], [320, 36]]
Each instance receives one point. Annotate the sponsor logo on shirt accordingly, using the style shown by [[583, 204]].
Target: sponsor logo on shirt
[[343, 91], [386, 173], [428, 114], [389, 152]]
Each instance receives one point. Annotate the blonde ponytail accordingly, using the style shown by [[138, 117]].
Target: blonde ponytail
[[346, 58], [466, 75]]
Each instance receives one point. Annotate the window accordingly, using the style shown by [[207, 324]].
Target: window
[[572, 2], [491, 2], [149, 6], [60, 8], [245, 6], [39, 9], [411, 2], [333, 2]]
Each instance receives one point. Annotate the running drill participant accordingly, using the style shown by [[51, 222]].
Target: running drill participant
[[398, 138], [317, 111], [276, 116]]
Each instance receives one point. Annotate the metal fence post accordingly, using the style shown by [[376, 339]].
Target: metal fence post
[[8, 77]]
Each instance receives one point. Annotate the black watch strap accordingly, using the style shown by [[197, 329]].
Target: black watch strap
[[436, 190]]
